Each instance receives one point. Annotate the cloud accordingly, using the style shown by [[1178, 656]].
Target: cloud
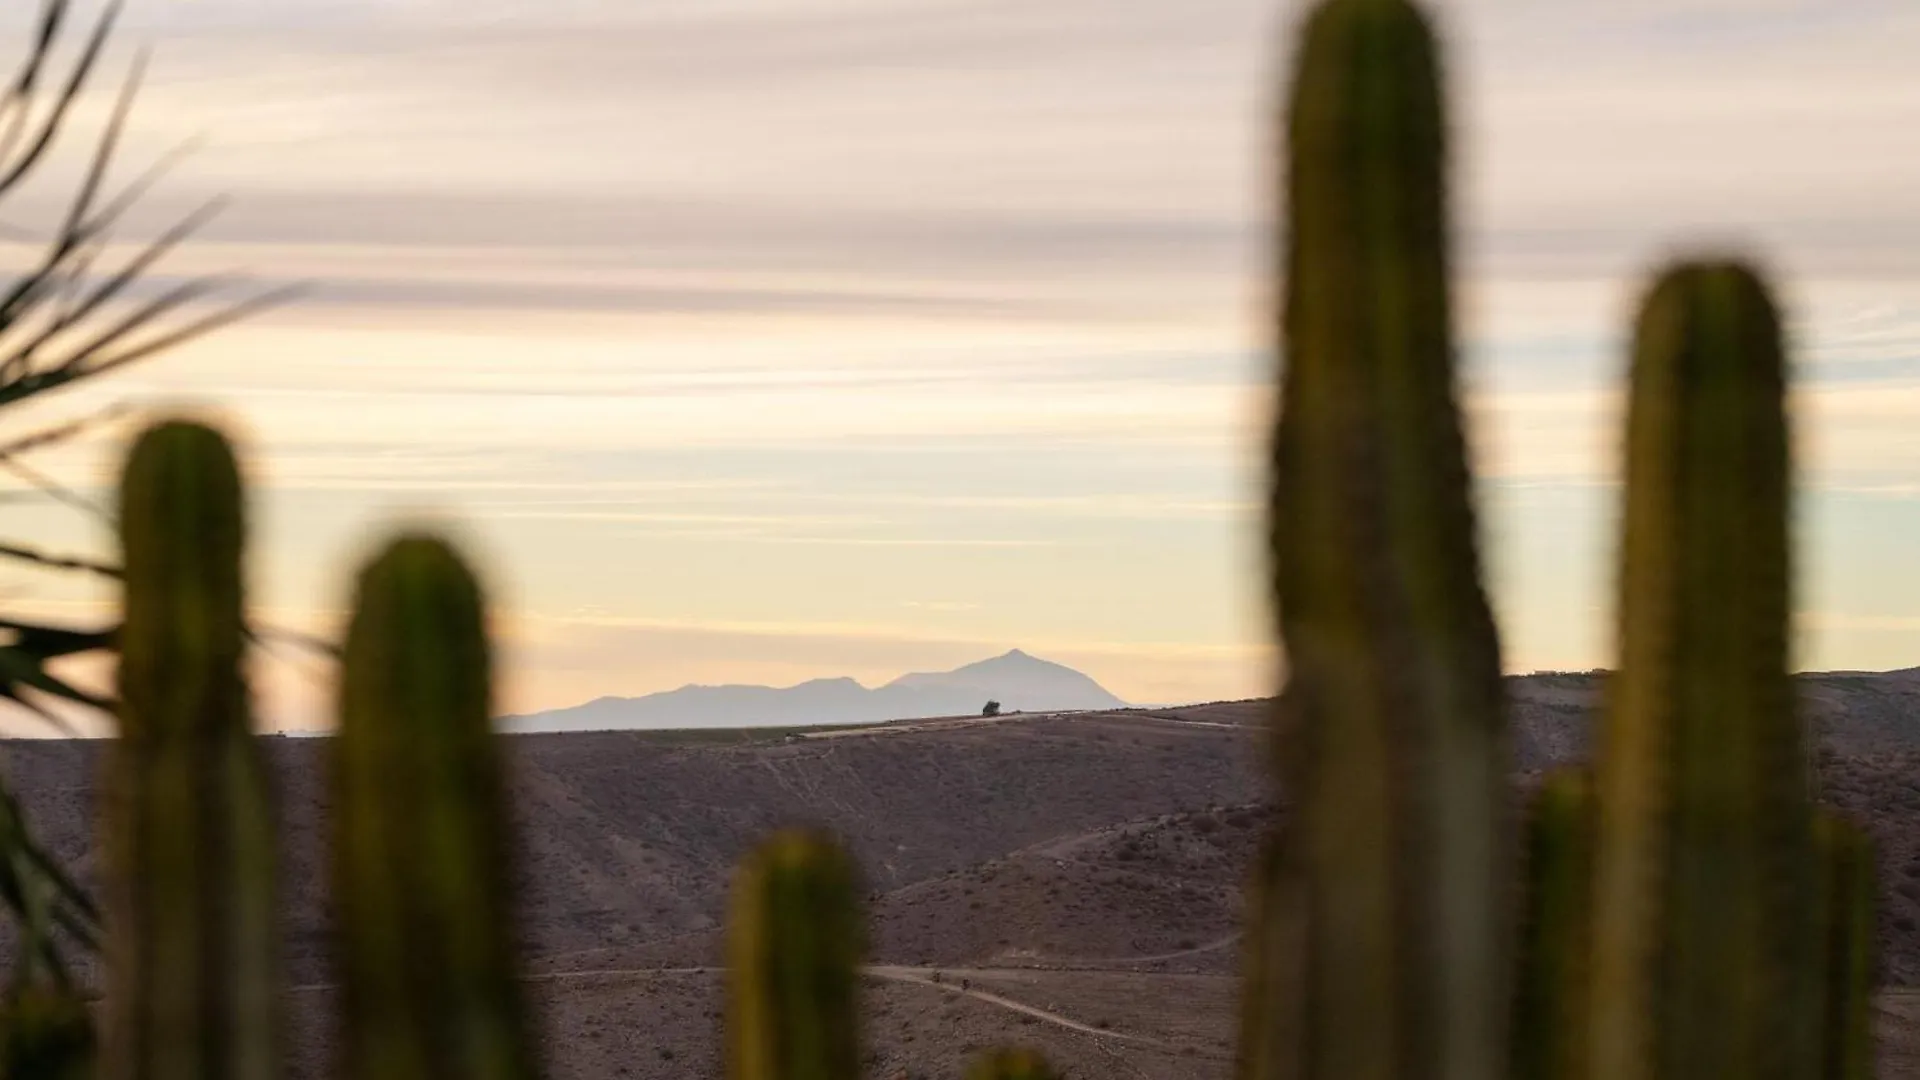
[[963, 290], [961, 135]]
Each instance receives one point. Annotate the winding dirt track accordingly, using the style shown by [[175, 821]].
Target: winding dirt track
[[919, 976], [924, 977]]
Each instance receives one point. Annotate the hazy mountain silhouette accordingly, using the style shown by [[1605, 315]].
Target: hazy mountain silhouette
[[1016, 680]]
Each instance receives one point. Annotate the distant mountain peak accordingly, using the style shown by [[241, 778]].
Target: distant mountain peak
[[1018, 680], [1011, 658], [1015, 658]]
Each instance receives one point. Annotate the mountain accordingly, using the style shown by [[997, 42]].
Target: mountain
[[1017, 680]]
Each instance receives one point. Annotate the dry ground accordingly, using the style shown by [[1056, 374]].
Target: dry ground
[[1068, 882]]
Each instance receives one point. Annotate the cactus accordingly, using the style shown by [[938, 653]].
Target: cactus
[[422, 862], [1702, 870], [1012, 1064], [1392, 740], [794, 946], [193, 983], [1846, 863], [1550, 995], [1270, 964]]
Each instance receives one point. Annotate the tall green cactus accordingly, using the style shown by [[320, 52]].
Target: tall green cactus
[[794, 946], [193, 976], [423, 887], [1012, 1064], [1703, 866], [1270, 965], [1556, 931], [1393, 745], [1846, 864]]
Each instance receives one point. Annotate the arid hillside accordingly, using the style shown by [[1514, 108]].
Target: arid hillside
[[1068, 881], [629, 837]]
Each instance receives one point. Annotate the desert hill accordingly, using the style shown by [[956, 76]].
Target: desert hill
[[1069, 881]]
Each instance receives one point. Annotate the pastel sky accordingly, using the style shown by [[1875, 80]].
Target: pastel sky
[[758, 340]]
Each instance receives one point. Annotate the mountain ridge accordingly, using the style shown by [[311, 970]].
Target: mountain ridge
[[1016, 679]]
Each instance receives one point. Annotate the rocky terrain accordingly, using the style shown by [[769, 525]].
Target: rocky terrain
[[1067, 881]]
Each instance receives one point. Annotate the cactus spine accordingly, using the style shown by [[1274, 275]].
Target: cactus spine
[[794, 946], [1702, 869], [1846, 863], [1550, 999], [1392, 744], [193, 981], [422, 881], [1012, 1064]]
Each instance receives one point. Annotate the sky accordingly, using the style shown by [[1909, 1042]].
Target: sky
[[761, 340]]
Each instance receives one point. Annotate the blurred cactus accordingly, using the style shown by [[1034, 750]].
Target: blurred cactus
[[1393, 746], [1012, 1064], [1703, 865], [422, 883], [81, 304], [1846, 864], [1270, 962], [1550, 1002], [794, 946], [193, 988]]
